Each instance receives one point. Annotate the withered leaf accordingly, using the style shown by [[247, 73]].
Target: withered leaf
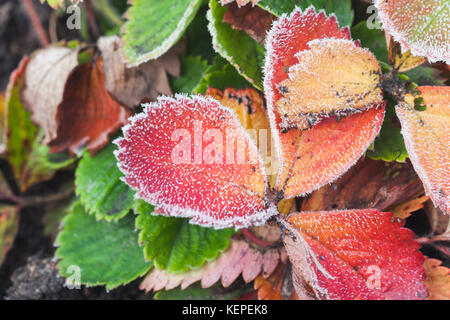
[[130, 86], [253, 20]]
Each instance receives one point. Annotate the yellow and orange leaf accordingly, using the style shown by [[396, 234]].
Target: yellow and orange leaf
[[333, 77], [427, 139]]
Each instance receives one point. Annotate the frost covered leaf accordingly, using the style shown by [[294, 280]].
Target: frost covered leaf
[[30, 160], [438, 279], [191, 158], [372, 39], [342, 9], [389, 145], [253, 20], [322, 154], [427, 139], [236, 46], [175, 245], [355, 255], [403, 61], [154, 26], [69, 101], [106, 253], [333, 77], [312, 158], [99, 187], [369, 183], [278, 286], [239, 259], [131, 86], [248, 104], [9, 224], [192, 71], [422, 26]]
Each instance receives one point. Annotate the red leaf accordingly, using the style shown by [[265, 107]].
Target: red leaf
[[312, 158], [174, 155], [355, 255]]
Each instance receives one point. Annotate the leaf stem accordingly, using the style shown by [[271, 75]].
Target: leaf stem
[[36, 22]]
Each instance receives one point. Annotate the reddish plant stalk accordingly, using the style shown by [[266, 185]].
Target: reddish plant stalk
[[36, 22]]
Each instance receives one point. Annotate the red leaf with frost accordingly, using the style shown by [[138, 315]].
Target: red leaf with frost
[[360, 254], [422, 26], [239, 259], [312, 158], [191, 157]]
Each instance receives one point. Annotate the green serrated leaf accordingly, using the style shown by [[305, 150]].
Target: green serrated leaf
[[192, 72], [426, 76], [221, 75], [341, 8], [236, 46], [389, 145], [196, 292], [106, 253], [372, 39], [99, 186], [154, 26], [174, 244]]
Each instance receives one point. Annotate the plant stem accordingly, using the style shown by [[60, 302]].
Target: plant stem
[[108, 11], [91, 19], [39, 29]]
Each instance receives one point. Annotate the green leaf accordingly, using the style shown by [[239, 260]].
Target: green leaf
[[221, 75], [99, 186], [154, 26], [341, 8], [175, 245], [30, 160], [196, 292], [426, 76], [198, 38], [372, 39], [237, 47], [9, 224], [106, 253], [389, 145], [192, 72]]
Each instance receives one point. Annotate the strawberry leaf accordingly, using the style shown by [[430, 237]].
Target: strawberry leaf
[[153, 27], [175, 245], [99, 187], [196, 292], [106, 253], [236, 46], [354, 255], [192, 72], [422, 27], [427, 139], [341, 8], [174, 155], [389, 145], [219, 75]]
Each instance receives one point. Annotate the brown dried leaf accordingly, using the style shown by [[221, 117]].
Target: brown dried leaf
[[278, 286], [69, 101], [131, 86], [438, 280], [253, 20], [405, 209], [45, 78], [369, 184]]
